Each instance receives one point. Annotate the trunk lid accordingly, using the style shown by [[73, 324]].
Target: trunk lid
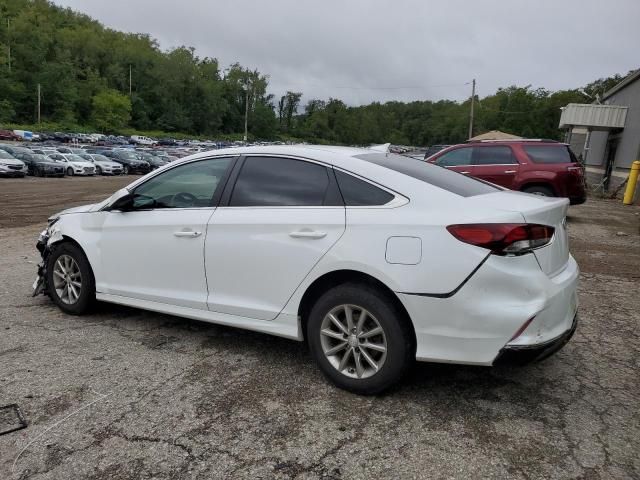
[[541, 210]]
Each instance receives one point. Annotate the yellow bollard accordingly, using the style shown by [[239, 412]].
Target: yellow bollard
[[631, 183]]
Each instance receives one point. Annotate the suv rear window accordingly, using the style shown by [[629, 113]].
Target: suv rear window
[[432, 174], [548, 153]]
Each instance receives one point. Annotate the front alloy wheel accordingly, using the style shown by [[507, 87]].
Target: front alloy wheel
[[67, 279], [353, 341], [70, 282], [70, 172]]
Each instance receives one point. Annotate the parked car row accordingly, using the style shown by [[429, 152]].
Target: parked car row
[[57, 160]]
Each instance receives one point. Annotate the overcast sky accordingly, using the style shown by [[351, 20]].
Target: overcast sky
[[379, 50]]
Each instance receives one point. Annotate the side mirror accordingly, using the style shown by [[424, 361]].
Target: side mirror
[[124, 203]]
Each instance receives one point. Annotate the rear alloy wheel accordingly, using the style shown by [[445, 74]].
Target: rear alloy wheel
[[70, 279], [359, 339], [539, 190], [70, 172], [125, 169]]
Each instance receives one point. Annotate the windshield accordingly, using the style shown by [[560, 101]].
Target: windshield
[[100, 158], [75, 158], [127, 155], [40, 158], [4, 154]]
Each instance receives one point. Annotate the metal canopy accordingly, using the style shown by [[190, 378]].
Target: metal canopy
[[593, 117]]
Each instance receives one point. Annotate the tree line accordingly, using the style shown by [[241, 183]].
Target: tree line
[[91, 76]]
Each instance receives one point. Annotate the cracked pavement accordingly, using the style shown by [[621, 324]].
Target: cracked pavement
[[128, 394]]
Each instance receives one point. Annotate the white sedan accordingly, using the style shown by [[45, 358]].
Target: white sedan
[[374, 259], [73, 164]]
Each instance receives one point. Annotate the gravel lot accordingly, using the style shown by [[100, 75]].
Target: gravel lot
[[129, 394]]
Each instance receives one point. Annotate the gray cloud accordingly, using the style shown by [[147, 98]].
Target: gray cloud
[[363, 51]]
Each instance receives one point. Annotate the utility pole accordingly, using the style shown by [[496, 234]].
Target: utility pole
[[38, 104], [129, 80], [9, 42], [473, 99], [246, 111]]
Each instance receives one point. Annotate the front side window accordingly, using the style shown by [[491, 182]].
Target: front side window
[[358, 193], [499, 155], [280, 182], [454, 158], [187, 186]]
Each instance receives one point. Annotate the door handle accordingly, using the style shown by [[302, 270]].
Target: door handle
[[465, 173], [308, 234], [509, 171], [187, 233]]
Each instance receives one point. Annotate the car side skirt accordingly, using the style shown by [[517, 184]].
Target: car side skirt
[[283, 326]]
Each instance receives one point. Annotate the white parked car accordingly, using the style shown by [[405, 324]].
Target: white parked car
[[103, 165], [374, 259], [142, 140], [74, 164]]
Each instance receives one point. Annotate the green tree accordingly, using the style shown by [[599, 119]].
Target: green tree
[[111, 111]]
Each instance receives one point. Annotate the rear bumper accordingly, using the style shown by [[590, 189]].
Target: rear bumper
[[578, 200], [479, 321], [523, 354]]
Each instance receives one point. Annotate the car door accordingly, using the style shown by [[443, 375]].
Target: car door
[[458, 160], [277, 218], [496, 164], [153, 248]]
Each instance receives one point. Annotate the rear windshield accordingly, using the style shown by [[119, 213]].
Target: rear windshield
[[549, 153], [433, 174]]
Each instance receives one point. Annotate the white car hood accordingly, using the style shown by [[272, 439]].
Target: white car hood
[[80, 209]]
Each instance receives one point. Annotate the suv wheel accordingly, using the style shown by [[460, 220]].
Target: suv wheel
[[539, 190], [70, 172], [69, 279], [359, 339]]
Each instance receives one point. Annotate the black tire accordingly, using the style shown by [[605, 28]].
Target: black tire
[[87, 295], [41, 173], [98, 171], [70, 172], [539, 190], [125, 170], [400, 353]]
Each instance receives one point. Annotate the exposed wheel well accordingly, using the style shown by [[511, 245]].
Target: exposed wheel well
[[338, 277], [538, 184]]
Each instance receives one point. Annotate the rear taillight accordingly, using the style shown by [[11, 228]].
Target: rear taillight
[[504, 238]]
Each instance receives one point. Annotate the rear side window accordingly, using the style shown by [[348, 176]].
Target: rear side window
[[493, 156], [357, 193], [432, 174], [548, 153], [280, 182]]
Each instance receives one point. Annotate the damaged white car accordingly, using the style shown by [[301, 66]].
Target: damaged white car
[[376, 260]]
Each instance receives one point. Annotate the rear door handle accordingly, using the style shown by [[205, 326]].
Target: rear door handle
[[509, 171], [308, 234], [465, 173], [187, 233]]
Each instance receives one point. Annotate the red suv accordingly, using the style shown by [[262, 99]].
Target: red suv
[[541, 167]]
